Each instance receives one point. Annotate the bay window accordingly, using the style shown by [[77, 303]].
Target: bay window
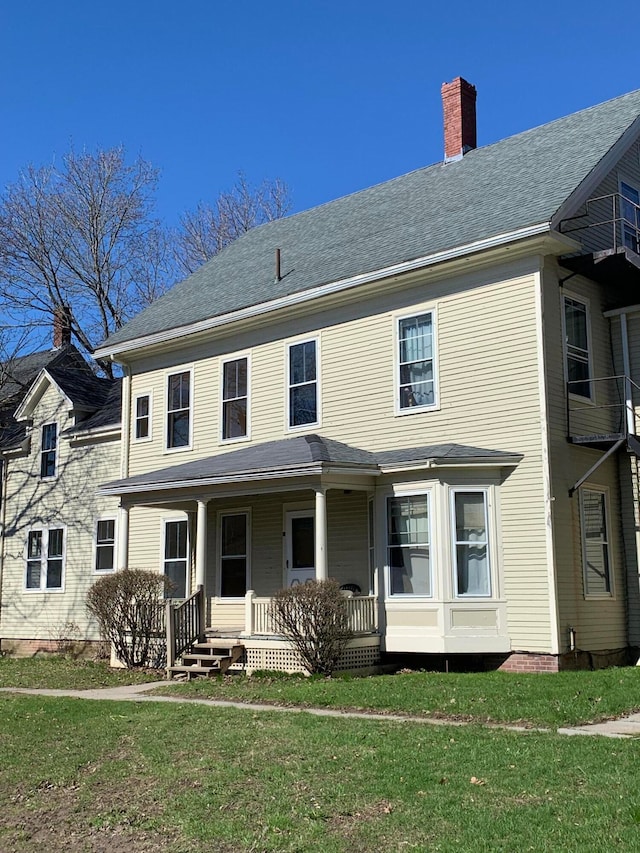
[[408, 545]]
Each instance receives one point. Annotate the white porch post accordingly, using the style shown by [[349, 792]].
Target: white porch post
[[201, 544], [322, 572], [122, 559]]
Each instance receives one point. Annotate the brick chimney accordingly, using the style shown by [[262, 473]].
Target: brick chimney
[[459, 108], [61, 326]]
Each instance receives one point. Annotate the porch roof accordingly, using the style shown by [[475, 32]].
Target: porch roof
[[307, 454]]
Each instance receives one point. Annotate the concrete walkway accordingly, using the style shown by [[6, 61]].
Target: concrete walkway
[[625, 727]]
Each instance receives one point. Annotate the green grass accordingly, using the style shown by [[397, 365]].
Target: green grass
[[558, 699], [78, 775], [65, 673]]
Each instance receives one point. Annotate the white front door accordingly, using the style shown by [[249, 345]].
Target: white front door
[[300, 546]]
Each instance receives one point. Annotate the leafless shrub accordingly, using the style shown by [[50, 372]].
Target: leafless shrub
[[65, 635], [128, 606], [314, 616]]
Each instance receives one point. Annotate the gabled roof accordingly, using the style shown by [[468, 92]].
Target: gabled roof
[[108, 415], [501, 189], [306, 454]]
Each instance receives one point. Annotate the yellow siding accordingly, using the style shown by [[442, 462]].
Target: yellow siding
[[489, 397], [69, 501]]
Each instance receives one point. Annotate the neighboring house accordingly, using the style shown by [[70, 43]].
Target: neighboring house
[[61, 438]]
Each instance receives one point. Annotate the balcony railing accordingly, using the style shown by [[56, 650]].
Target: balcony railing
[[363, 615], [602, 409], [609, 222]]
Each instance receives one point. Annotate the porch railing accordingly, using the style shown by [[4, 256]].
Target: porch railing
[[184, 624], [603, 406], [363, 615]]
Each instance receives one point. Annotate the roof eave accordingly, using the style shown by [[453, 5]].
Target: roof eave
[[540, 228]]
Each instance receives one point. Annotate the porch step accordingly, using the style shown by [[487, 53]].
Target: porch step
[[208, 658]]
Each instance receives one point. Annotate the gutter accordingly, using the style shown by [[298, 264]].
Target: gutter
[[323, 290]]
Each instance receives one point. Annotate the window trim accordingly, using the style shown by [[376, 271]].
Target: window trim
[[96, 545], [315, 339], [633, 185], [488, 520], [54, 451], [582, 300], [168, 374], [134, 418], [246, 511], [188, 559], [247, 436], [417, 311], [594, 596], [44, 561], [429, 491]]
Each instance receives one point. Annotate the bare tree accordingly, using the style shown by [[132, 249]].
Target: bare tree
[[209, 228], [84, 235]]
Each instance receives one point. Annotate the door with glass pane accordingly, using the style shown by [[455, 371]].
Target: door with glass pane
[[300, 546]]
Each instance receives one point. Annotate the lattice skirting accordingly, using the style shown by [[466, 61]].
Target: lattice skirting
[[278, 655]]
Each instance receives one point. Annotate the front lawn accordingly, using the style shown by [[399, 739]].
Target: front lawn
[[559, 699], [79, 776], [64, 673]]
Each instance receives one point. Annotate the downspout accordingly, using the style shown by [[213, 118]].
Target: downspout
[[126, 421], [4, 476], [626, 369]]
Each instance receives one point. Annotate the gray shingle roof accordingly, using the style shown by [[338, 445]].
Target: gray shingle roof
[[518, 182], [292, 453]]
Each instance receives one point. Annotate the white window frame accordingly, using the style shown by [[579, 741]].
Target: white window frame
[[134, 416], [168, 374], [418, 311], [44, 560], [224, 361], [246, 511], [488, 521], [54, 450], [97, 545], [633, 185], [300, 427], [565, 346], [427, 491], [163, 558], [602, 490]]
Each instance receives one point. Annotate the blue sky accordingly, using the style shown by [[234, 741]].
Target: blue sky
[[329, 96]]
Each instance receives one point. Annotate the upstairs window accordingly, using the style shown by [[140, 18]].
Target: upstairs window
[[105, 545], [235, 398], [630, 212], [142, 416], [45, 559], [49, 450], [596, 559], [303, 384], [179, 410], [578, 359], [416, 373]]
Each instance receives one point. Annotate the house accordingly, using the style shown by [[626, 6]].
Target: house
[[426, 390], [61, 437]]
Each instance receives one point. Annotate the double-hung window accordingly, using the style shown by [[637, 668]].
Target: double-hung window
[[578, 360], [45, 559], [142, 417], [105, 545], [416, 362], [175, 557], [234, 554], [49, 450], [408, 545], [630, 213], [472, 573], [179, 409], [303, 384], [596, 557], [235, 398]]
